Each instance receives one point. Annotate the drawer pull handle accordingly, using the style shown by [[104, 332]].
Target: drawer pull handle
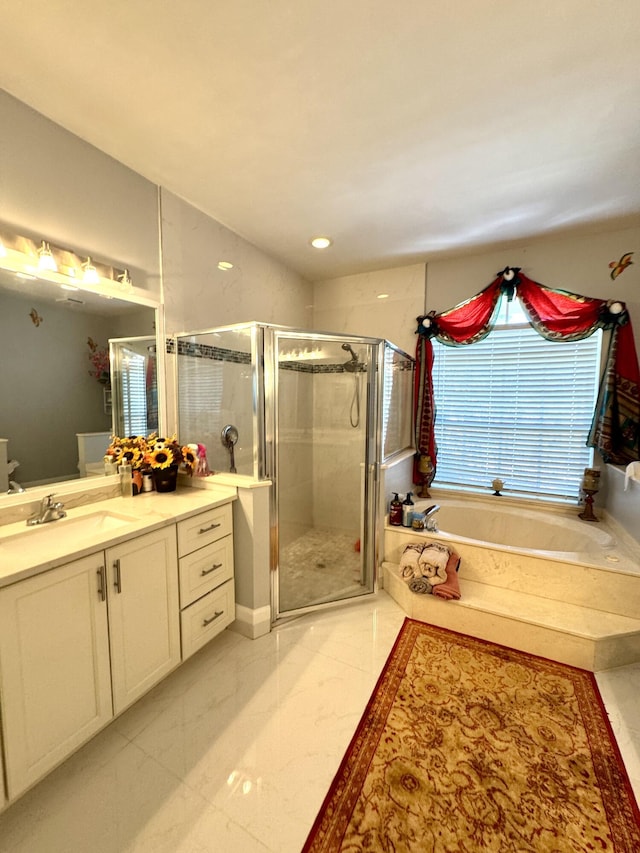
[[213, 618], [210, 527], [212, 569]]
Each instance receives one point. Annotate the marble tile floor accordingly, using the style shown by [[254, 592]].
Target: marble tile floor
[[235, 751]]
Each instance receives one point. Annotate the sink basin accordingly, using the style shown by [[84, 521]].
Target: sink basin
[[64, 531]]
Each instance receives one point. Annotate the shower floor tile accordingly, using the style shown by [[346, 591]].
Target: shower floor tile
[[321, 565]]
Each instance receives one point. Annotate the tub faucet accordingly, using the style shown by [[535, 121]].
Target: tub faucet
[[49, 511], [430, 522]]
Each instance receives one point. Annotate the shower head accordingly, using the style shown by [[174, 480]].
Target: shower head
[[353, 365]]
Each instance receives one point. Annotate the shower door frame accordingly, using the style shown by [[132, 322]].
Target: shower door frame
[[270, 445]]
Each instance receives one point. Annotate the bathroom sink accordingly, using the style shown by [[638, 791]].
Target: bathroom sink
[[65, 531]]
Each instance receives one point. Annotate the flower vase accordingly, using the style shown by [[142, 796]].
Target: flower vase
[[165, 479]]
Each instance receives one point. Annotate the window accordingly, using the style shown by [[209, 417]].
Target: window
[[516, 406], [396, 402], [134, 392]]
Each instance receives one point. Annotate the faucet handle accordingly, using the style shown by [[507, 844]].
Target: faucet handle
[[47, 500]]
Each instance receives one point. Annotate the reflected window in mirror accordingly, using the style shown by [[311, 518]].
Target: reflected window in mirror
[[135, 381]]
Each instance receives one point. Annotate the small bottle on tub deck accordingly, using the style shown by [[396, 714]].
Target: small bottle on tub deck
[[395, 511], [407, 510]]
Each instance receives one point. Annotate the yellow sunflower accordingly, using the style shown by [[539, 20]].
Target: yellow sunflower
[[189, 459], [159, 458]]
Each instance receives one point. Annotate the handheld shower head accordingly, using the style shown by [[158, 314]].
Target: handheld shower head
[[353, 365], [349, 349]]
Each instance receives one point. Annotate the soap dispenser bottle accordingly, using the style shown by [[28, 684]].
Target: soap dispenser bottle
[[407, 510], [395, 510], [126, 480]]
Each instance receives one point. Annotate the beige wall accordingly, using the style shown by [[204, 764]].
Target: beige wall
[[197, 295], [350, 304]]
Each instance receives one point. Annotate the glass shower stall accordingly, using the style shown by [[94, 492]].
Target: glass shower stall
[[316, 414]]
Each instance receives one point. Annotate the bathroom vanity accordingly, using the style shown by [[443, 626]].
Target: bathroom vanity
[[97, 608]]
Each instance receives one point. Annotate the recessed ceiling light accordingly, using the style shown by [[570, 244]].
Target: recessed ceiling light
[[224, 265], [321, 242], [383, 296]]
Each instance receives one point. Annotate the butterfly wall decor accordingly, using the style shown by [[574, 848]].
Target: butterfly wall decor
[[620, 266], [36, 319]]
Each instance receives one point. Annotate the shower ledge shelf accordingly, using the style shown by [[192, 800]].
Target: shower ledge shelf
[[568, 633]]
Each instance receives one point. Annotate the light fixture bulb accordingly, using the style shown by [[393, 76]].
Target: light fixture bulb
[[225, 265], [321, 242], [46, 261], [90, 273], [124, 280]]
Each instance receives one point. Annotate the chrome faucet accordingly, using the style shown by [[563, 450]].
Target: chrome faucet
[[49, 511], [430, 522]]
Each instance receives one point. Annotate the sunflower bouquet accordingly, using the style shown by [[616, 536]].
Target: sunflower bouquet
[[127, 451], [165, 452], [150, 454]]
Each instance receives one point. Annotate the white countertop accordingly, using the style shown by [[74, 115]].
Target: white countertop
[[27, 551]]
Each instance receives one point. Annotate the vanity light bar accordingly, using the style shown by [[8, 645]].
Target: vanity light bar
[[44, 260]]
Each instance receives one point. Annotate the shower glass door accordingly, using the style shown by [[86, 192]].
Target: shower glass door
[[324, 470]]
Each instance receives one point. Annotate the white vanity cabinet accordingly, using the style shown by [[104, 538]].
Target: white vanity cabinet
[[207, 595], [144, 621], [82, 640], [54, 667]]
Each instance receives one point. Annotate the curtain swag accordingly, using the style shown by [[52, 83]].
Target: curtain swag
[[557, 315]]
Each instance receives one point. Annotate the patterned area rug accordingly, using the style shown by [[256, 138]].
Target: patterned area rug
[[467, 746]]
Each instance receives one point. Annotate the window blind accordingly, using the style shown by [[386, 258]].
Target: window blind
[[518, 407], [200, 389], [134, 392]]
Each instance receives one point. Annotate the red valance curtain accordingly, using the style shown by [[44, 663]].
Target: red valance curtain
[[558, 316]]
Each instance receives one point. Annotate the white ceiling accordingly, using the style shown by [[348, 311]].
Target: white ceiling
[[404, 129]]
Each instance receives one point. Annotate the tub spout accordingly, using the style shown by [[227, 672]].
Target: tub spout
[[430, 522]]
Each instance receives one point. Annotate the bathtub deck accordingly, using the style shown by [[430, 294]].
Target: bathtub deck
[[591, 624]]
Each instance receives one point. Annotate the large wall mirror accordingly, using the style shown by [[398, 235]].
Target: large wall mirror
[[53, 391]]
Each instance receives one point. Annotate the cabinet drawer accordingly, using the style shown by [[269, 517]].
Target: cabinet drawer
[[205, 569], [206, 618], [203, 529]]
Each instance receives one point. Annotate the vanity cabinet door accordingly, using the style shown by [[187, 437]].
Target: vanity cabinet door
[[54, 667], [144, 622]]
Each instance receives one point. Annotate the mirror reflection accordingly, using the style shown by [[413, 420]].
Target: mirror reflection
[[55, 394]]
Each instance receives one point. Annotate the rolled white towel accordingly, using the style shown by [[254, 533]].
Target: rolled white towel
[[409, 566], [632, 472], [433, 562]]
